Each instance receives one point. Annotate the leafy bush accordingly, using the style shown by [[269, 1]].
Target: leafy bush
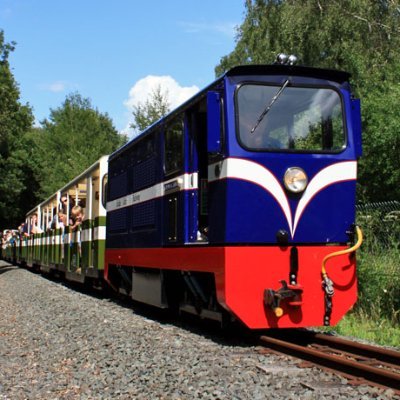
[[379, 266]]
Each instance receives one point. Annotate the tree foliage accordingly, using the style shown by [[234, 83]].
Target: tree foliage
[[73, 138], [360, 36], [155, 107], [15, 121]]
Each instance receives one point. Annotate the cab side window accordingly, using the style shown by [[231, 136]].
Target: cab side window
[[173, 152]]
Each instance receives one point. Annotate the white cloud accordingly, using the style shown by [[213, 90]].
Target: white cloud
[[58, 86], [143, 88]]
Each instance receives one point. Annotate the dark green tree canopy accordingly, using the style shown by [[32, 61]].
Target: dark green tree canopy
[[73, 138], [359, 36], [15, 118], [15, 121]]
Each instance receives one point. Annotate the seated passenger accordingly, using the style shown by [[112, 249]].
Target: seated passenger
[[77, 217], [26, 230], [64, 203], [62, 220], [23, 230], [34, 225]]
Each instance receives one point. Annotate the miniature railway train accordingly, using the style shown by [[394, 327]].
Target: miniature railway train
[[240, 203]]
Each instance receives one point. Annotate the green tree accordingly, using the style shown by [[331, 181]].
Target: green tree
[[380, 164], [15, 121], [359, 36], [155, 107], [73, 138]]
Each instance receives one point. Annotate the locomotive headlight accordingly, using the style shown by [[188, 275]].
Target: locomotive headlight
[[295, 180]]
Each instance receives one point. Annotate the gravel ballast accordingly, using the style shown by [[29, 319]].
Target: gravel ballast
[[59, 343]]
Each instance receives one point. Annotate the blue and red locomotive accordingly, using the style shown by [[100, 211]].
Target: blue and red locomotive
[[241, 202]]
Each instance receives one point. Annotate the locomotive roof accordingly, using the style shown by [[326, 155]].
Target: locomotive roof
[[277, 69], [274, 69]]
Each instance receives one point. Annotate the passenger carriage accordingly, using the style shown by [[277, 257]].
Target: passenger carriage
[[78, 254]]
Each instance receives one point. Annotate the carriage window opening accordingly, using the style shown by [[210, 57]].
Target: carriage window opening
[[173, 160], [303, 119], [104, 191]]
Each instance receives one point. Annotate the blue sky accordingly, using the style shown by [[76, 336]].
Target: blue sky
[[113, 51]]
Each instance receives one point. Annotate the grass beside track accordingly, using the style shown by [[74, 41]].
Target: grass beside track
[[362, 326], [376, 316]]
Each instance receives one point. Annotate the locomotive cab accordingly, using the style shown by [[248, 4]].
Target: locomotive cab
[[286, 188], [282, 131]]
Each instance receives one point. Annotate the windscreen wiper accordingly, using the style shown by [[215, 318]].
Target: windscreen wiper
[[264, 113]]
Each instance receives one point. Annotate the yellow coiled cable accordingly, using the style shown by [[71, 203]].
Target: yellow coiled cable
[[341, 252]]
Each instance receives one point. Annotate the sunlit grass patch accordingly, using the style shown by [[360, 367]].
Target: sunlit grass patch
[[362, 326]]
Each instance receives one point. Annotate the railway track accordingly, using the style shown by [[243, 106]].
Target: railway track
[[360, 363]]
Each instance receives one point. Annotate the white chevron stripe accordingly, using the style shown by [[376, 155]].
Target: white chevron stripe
[[236, 168], [340, 172], [250, 171]]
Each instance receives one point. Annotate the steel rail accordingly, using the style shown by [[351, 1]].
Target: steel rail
[[361, 349], [374, 375]]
